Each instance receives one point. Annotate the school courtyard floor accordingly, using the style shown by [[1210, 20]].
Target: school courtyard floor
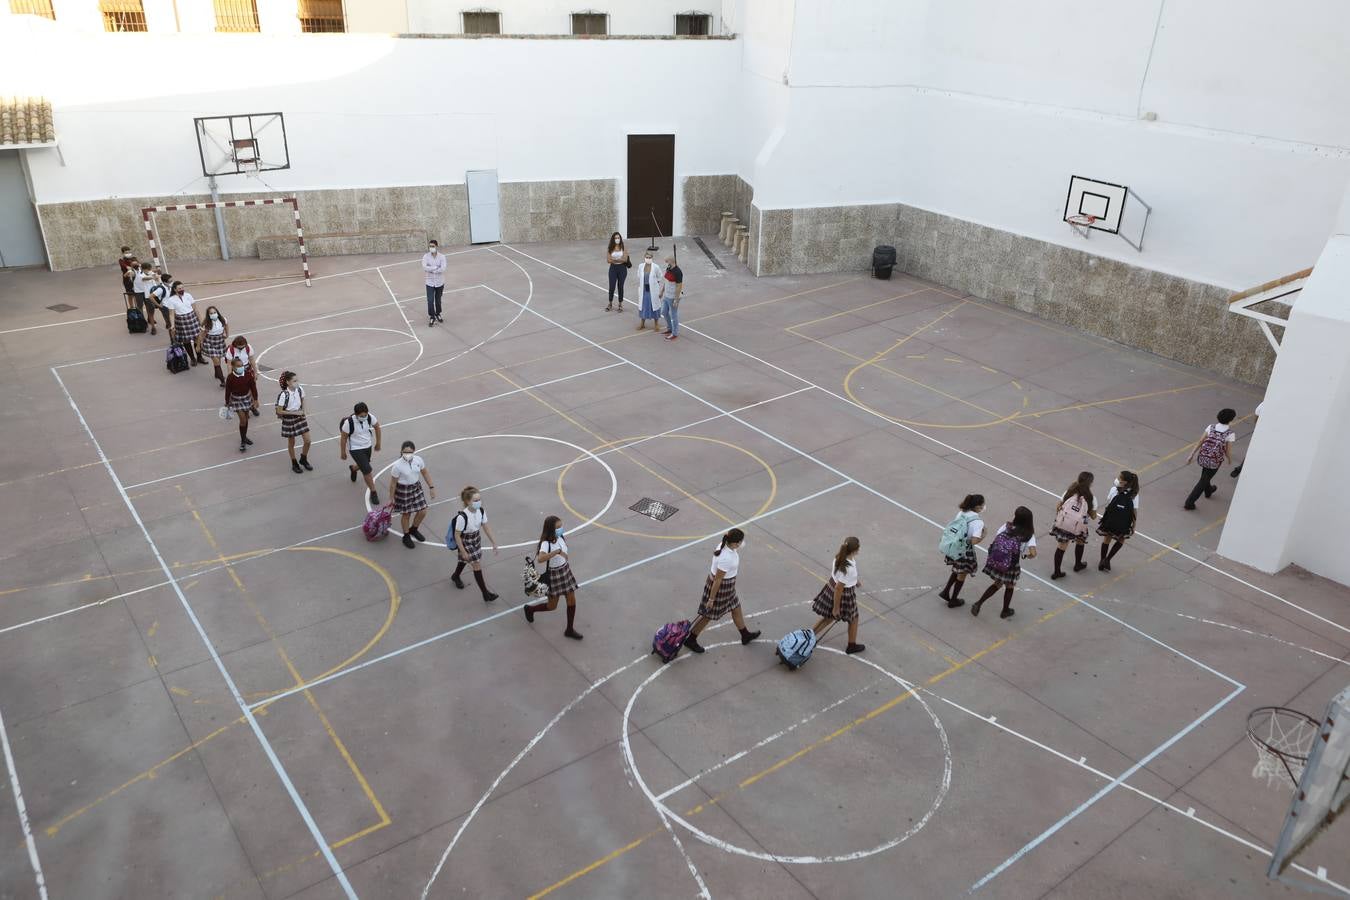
[[212, 685]]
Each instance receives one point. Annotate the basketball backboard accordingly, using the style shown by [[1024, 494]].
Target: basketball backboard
[[240, 144], [1323, 788], [1094, 205]]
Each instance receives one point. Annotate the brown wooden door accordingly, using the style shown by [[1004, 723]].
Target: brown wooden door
[[651, 184]]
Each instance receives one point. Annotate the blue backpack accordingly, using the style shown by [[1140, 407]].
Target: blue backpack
[[952, 544], [796, 648]]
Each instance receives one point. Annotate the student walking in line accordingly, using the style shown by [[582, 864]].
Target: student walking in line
[[290, 407], [125, 259], [131, 267], [215, 331], [958, 543], [1013, 542], [468, 526], [672, 289], [239, 353], [558, 578], [359, 434], [158, 292], [649, 276], [241, 395], [1071, 523], [433, 264], [405, 487], [181, 319], [719, 591], [838, 599], [1118, 517], [1212, 451], [141, 281], [619, 264], [1256, 417]]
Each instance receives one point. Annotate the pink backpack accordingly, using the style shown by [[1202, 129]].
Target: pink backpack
[[376, 524], [1072, 516], [1210, 454]]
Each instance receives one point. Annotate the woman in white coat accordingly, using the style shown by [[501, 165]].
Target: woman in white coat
[[649, 277]]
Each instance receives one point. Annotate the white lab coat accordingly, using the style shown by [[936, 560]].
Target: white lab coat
[[651, 278]]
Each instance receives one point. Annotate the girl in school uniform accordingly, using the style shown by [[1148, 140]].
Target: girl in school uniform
[[649, 276], [405, 487], [291, 411], [619, 264], [1071, 523], [1118, 517], [719, 591], [1013, 542], [558, 579], [469, 525], [838, 599], [964, 563], [182, 321], [241, 395], [215, 332], [240, 353]]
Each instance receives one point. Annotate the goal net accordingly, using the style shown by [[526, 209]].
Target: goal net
[[149, 213]]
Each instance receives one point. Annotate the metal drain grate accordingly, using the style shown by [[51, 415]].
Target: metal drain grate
[[654, 509], [62, 307], [717, 263], [262, 368]]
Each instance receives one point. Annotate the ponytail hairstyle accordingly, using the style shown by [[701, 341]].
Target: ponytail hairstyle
[[285, 380], [971, 502], [1131, 484], [1022, 526], [467, 494], [734, 536], [1082, 486], [850, 546], [550, 533]]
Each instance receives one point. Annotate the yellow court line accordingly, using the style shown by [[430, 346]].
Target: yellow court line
[[814, 290], [845, 312], [1036, 414], [1212, 525], [89, 578]]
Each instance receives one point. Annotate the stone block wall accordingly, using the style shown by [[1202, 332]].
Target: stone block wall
[[558, 210], [1187, 321], [706, 197]]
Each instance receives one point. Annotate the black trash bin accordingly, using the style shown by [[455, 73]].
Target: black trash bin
[[883, 261]]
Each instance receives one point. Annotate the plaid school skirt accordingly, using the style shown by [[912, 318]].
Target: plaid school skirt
[[848, 603], [1129, 532], [294, 426], [559, 580], [1009, 577], [213, 345], [965, 564], [726, 600], [1059, 534], [240, 402], [408, 498], [472, 542], [186, 328]]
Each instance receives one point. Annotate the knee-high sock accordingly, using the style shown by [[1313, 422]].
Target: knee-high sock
[[482, 585], [1059, 559]]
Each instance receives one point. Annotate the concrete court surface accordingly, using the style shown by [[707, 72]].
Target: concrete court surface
[[1091, 746]]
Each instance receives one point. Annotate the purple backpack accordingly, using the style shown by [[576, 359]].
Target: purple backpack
[[1004, 552], [670, 638]]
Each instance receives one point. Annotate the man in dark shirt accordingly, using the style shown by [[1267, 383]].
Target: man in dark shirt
[[672, 287]]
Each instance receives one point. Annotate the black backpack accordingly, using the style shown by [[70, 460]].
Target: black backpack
[[1119, 514], [135, 321]]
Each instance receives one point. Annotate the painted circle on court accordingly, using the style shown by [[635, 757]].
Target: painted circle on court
[[582, 452], [666, 813], [632, 441], [411, 338]]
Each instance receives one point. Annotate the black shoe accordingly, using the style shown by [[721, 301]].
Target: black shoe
[[1188, 506], [747, 636], [353, 473], [529, 614], [295, 467], [431, 320], [408, 542], [610, 307], [254, 412], [248, 440], [692, 643], [417, 534], [1236, 472], [439, 320], [1078, 567], [305, 462], [1007, 613], [374, 499], [944, 595], [855, 648], [242, 447], [573, 634], [955, 604], [975, 610], [489, 597], [1211, 492], [459, 583], [1057, 575], [1103, 567]]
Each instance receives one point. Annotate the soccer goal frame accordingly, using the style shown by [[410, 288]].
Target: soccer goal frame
[[156, 246]]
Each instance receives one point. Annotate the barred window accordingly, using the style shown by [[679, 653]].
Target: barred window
[[236, 15], [693, 23], [481, 21], [590, 23], [33, 8], [321, 16], [122, 15]]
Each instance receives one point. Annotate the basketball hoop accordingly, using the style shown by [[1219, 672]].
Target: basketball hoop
[[1283, 739], [1081, 221]]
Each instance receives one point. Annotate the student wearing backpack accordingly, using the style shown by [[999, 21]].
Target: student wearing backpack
[[558, 577], [719, 591], [142, 279], [130, 268], [241, 395], [1256, 417], [290, 408], [957, 545], [157, 294], [1071, 523], [838, 599], [181, 319], [466, 528], [1212, 451], [1118, 517], [405, 487], [1013, 542], [360, 434]]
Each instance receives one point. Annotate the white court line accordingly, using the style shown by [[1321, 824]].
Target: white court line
[[511, 610], [23, 813], [236, 563], [296, 799]]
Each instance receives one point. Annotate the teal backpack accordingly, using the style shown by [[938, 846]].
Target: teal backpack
[[955, 536]]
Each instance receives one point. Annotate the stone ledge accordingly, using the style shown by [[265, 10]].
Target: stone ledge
[[434, 36], [282, 246]]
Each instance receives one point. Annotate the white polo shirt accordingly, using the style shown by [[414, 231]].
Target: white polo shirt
[[291, 399], [470, 520], [241, 354], [555, 562], [408, 472], [849, 576], [729, 561], [361, 435]]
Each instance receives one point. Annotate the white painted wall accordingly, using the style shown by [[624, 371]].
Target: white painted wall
[[1287, 505], [554, 16]]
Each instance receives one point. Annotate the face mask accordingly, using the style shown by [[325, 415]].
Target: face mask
[[559, 532], [126, 256], [478, 504], [361, 419], [407, 457], [431, 250], [214, 317], [239, 370], [1119, 483]]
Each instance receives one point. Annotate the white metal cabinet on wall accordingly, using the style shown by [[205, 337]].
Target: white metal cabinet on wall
[[485, 221]]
